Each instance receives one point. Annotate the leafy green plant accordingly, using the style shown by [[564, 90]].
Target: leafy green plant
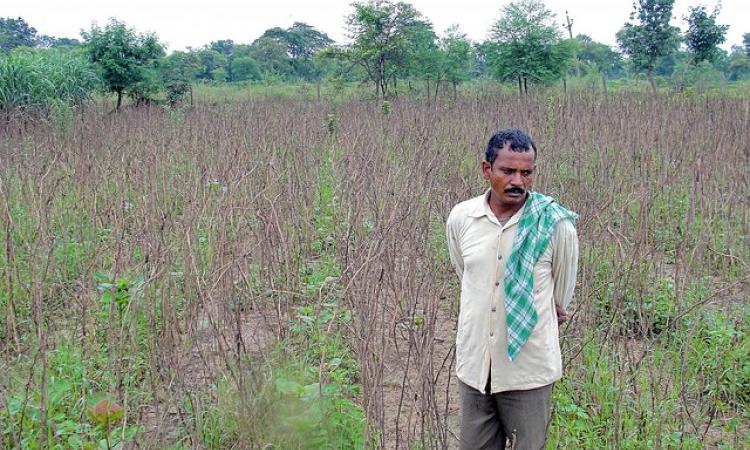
[[119, 291], [721, 350], [38, 79], [79, 416]]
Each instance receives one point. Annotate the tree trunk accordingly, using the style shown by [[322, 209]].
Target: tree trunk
[[427, 81], [119, 99], [381, 77], [565, 85], [520, 86], [652, 82], [525, 86]]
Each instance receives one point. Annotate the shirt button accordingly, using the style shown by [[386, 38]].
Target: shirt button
[[497, 283], [494, 309], [499, 256], [491, 334]]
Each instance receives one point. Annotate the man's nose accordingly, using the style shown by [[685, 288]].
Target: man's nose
[[516, 179]]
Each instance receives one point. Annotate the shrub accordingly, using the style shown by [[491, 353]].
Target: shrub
[[37, 78]]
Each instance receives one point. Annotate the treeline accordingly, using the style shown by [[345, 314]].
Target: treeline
[[391, 45]]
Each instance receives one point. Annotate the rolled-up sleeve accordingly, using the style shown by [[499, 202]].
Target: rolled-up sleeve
[[452, 230], [564, 262]]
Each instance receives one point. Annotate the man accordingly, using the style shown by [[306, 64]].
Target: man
[[516, 253]]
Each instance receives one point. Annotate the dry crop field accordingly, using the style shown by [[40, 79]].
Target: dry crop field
[[275, 271]]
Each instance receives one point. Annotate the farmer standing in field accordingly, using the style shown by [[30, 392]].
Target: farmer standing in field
[[516, 254]]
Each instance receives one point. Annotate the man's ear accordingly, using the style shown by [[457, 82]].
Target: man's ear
[[486, 169]]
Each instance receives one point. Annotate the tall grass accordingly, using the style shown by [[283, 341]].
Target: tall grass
[[36, 79], [263, 271]]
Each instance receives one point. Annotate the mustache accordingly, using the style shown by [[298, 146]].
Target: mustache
[[515, 190]]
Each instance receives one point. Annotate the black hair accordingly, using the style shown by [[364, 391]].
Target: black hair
[[517, 140]]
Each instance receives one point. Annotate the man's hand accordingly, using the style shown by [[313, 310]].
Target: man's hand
[[562, 314]]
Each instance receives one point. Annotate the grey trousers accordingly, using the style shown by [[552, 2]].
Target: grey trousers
[[521, 417]]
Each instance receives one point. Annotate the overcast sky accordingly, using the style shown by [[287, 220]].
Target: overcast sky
[[184, 23]]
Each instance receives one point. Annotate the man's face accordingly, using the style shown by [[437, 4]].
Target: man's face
[[510, 176]]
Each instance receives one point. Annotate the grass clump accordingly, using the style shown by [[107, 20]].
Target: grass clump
[[80, 410], [38, 79]]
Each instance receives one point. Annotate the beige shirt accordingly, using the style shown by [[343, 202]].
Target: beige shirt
[[479, 245]]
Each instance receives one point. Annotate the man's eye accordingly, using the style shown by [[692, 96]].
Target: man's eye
[[508, 171], [526, 173]]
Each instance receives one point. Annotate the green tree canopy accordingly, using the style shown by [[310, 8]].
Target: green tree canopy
[[525, 44], [181, 66], [246, 69], [704, 35], [381, 32], [599, 57], [422, 58], [651, 37], [213, 65], [738, 64], [226, 48], [45, 41], [271, 56], [459, 58], [16, 33], [124, 56], [300, 42], [304, 41], [746, 43], [178, 70]]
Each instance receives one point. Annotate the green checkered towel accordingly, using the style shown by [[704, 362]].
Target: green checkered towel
[[540, 215]]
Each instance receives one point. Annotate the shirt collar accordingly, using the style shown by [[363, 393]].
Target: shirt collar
[[482, 208]]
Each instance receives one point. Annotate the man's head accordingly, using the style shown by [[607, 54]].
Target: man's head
[[510, 161]]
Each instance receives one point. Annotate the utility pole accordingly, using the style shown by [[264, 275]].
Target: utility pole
[[569, 26]]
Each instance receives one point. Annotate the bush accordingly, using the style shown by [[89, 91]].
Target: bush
[[38, 78]]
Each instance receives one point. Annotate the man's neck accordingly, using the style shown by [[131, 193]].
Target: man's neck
[[503, 213]]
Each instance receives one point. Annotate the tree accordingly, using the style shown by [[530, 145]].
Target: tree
[[459, 58], [226, 48], [599, 57], [422, 58], [739, 64], [178, 70], [124, 56], [272, 57], [304, 41], [667, 64], [246, 69], [16, 33], [746, 43], [212, 64], [704, 35], [325, 64], [381, 31], [45, 41], [525, 45], [185, 66], [651, 38], [301, 41]]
